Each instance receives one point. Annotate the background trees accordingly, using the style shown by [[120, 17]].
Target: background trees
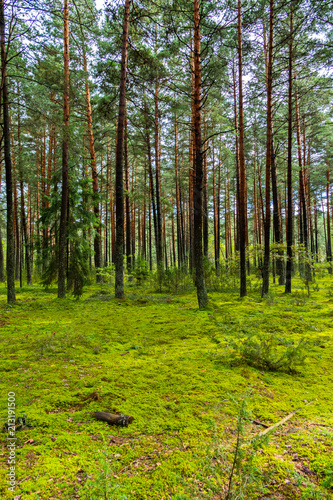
[[10, 261], [262, 100]]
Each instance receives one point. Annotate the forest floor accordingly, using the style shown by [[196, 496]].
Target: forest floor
[[198, 385]]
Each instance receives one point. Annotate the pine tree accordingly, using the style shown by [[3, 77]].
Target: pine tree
[[10, 261], [119, 260]]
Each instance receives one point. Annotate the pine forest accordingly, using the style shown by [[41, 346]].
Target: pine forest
[[166, 273]]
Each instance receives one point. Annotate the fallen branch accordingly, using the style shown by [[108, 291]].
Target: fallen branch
[[25, 479], [285, 419], [320, 425], [113, 418], [256, 422]]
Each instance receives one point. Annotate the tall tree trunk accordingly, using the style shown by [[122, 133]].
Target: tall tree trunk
[[10, 262], [198, 172], [23, 215], [159, 246], [133, 214], [256, 216], [173, 233], [300, 186], [182, 224], [236, 226], [228, 245], [97, 227], [119, 260], [107, 198], [276, 216], [144, 217], [149, 236], [205, 196], [229, 214], [64, 192], [328, 245], [47, 191], [269, 154], [151, 181], [101, 207], [261, 213], [309, 206], [191, 173], [242, 180], [55, 188], [214, 210], [16, 228], [164, 236], [179, 235], [2, 262], [289, 175], [276, 219], [302, 195], [218, 202], [324, 220], [308, 233], [44, 204], [112, 217], [38, 206], [315, 215], [127, 204]]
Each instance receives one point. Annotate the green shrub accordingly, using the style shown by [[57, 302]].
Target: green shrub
[[271, 353], [107, 273], [140, 271], [173, 279]]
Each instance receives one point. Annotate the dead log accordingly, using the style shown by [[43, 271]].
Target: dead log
[[113, 418]]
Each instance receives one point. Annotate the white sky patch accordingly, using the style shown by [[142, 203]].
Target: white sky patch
[[99, 4]]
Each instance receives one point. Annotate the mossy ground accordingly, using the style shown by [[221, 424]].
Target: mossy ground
[[174, 368]]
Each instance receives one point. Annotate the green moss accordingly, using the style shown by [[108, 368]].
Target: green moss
[[174, 369]]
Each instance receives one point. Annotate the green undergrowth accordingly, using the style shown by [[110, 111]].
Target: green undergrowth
[[184, 375]]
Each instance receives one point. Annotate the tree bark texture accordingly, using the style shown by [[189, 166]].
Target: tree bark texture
[[198, 172]]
